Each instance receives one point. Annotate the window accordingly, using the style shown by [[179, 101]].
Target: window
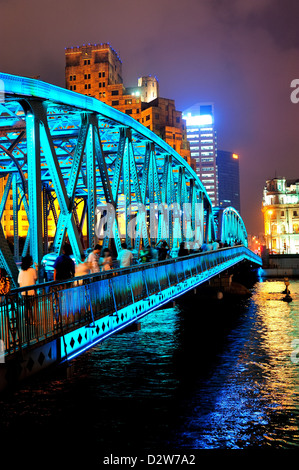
[[100, 75], [100, 94], [71, 87], [147, 118], [74, 87], [85, 86], [114, 92], [104, 94], [74, 77], [71, 77], [103, 74], [86, 61], [282, 213], [128, 111], [100, 85], [295, 213], [115, 103], [178, 120], [128, 102], [156, 116], [103, 84], [137, 110], [205, 160], [89, 86]]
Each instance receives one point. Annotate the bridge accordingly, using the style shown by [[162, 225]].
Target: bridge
[[99, 174]]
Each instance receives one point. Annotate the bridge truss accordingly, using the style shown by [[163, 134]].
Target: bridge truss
[[66, 154]]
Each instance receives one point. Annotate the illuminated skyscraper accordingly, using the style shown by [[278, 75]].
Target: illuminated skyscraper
[[228, 179], [201, 135]]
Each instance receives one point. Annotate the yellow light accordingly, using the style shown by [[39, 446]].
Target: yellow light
[[235, 156], [270, 212]]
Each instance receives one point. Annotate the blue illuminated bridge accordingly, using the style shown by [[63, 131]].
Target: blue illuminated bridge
[[94, 171]]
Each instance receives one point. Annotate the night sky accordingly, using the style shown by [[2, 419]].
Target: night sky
[[240, 54]]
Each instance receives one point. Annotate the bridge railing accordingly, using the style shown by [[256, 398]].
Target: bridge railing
[[57, 308]]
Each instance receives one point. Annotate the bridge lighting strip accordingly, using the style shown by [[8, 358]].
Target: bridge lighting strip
[[223, 267]]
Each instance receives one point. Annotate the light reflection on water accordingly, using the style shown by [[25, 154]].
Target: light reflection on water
[[224, 383], [256, 403]]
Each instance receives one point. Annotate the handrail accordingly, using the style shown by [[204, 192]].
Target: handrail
[[118, 271]]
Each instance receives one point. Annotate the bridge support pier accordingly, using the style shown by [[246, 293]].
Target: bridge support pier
[[132, 328]]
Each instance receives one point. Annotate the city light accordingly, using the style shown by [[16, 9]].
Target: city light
[[235, 156], [199, 120]]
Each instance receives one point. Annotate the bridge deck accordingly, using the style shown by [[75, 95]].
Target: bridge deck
[[77, 314]]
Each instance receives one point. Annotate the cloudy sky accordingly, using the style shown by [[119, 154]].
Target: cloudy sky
[[240, 54]]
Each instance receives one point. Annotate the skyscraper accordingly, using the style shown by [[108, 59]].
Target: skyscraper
[[228, 179], [201, 135]]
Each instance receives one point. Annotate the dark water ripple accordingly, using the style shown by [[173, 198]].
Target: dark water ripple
[[197, 376]]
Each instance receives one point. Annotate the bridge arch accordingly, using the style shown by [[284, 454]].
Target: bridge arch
[[77, 155]]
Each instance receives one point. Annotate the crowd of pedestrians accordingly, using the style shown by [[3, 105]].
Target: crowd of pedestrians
[[99, 260]]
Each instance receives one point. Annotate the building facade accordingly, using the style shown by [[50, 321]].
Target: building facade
[[96, 70], [228, 179], [201, 135], [162, 117], [281, 215]]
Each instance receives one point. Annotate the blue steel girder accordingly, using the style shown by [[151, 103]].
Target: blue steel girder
[[130, 162]]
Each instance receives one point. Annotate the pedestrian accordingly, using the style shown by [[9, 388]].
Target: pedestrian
[[144, 256], [28, 275], [154, 253], [94, 258], [215, 245], [125, 256], [183, 251], [81, 269], [106, 262], [5, 285], [64, 266], [163, 250]]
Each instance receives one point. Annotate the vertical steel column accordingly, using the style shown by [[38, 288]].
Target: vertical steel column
[[15, 217], [45, 218], [34, 187], [127, 187], [91, 186]]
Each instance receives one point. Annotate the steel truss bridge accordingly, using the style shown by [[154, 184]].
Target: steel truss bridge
[[66, 154]]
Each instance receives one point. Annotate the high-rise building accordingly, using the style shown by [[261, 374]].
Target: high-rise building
[[201, 135], [96, 70], [89, 69], [281, 215], [228, 179], [161, 117]]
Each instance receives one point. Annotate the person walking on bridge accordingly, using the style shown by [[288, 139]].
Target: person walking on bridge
[[125, 256], [93, 259], [106, 262], [64, 267]]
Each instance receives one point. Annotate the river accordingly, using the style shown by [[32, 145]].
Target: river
[[197, 376]]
